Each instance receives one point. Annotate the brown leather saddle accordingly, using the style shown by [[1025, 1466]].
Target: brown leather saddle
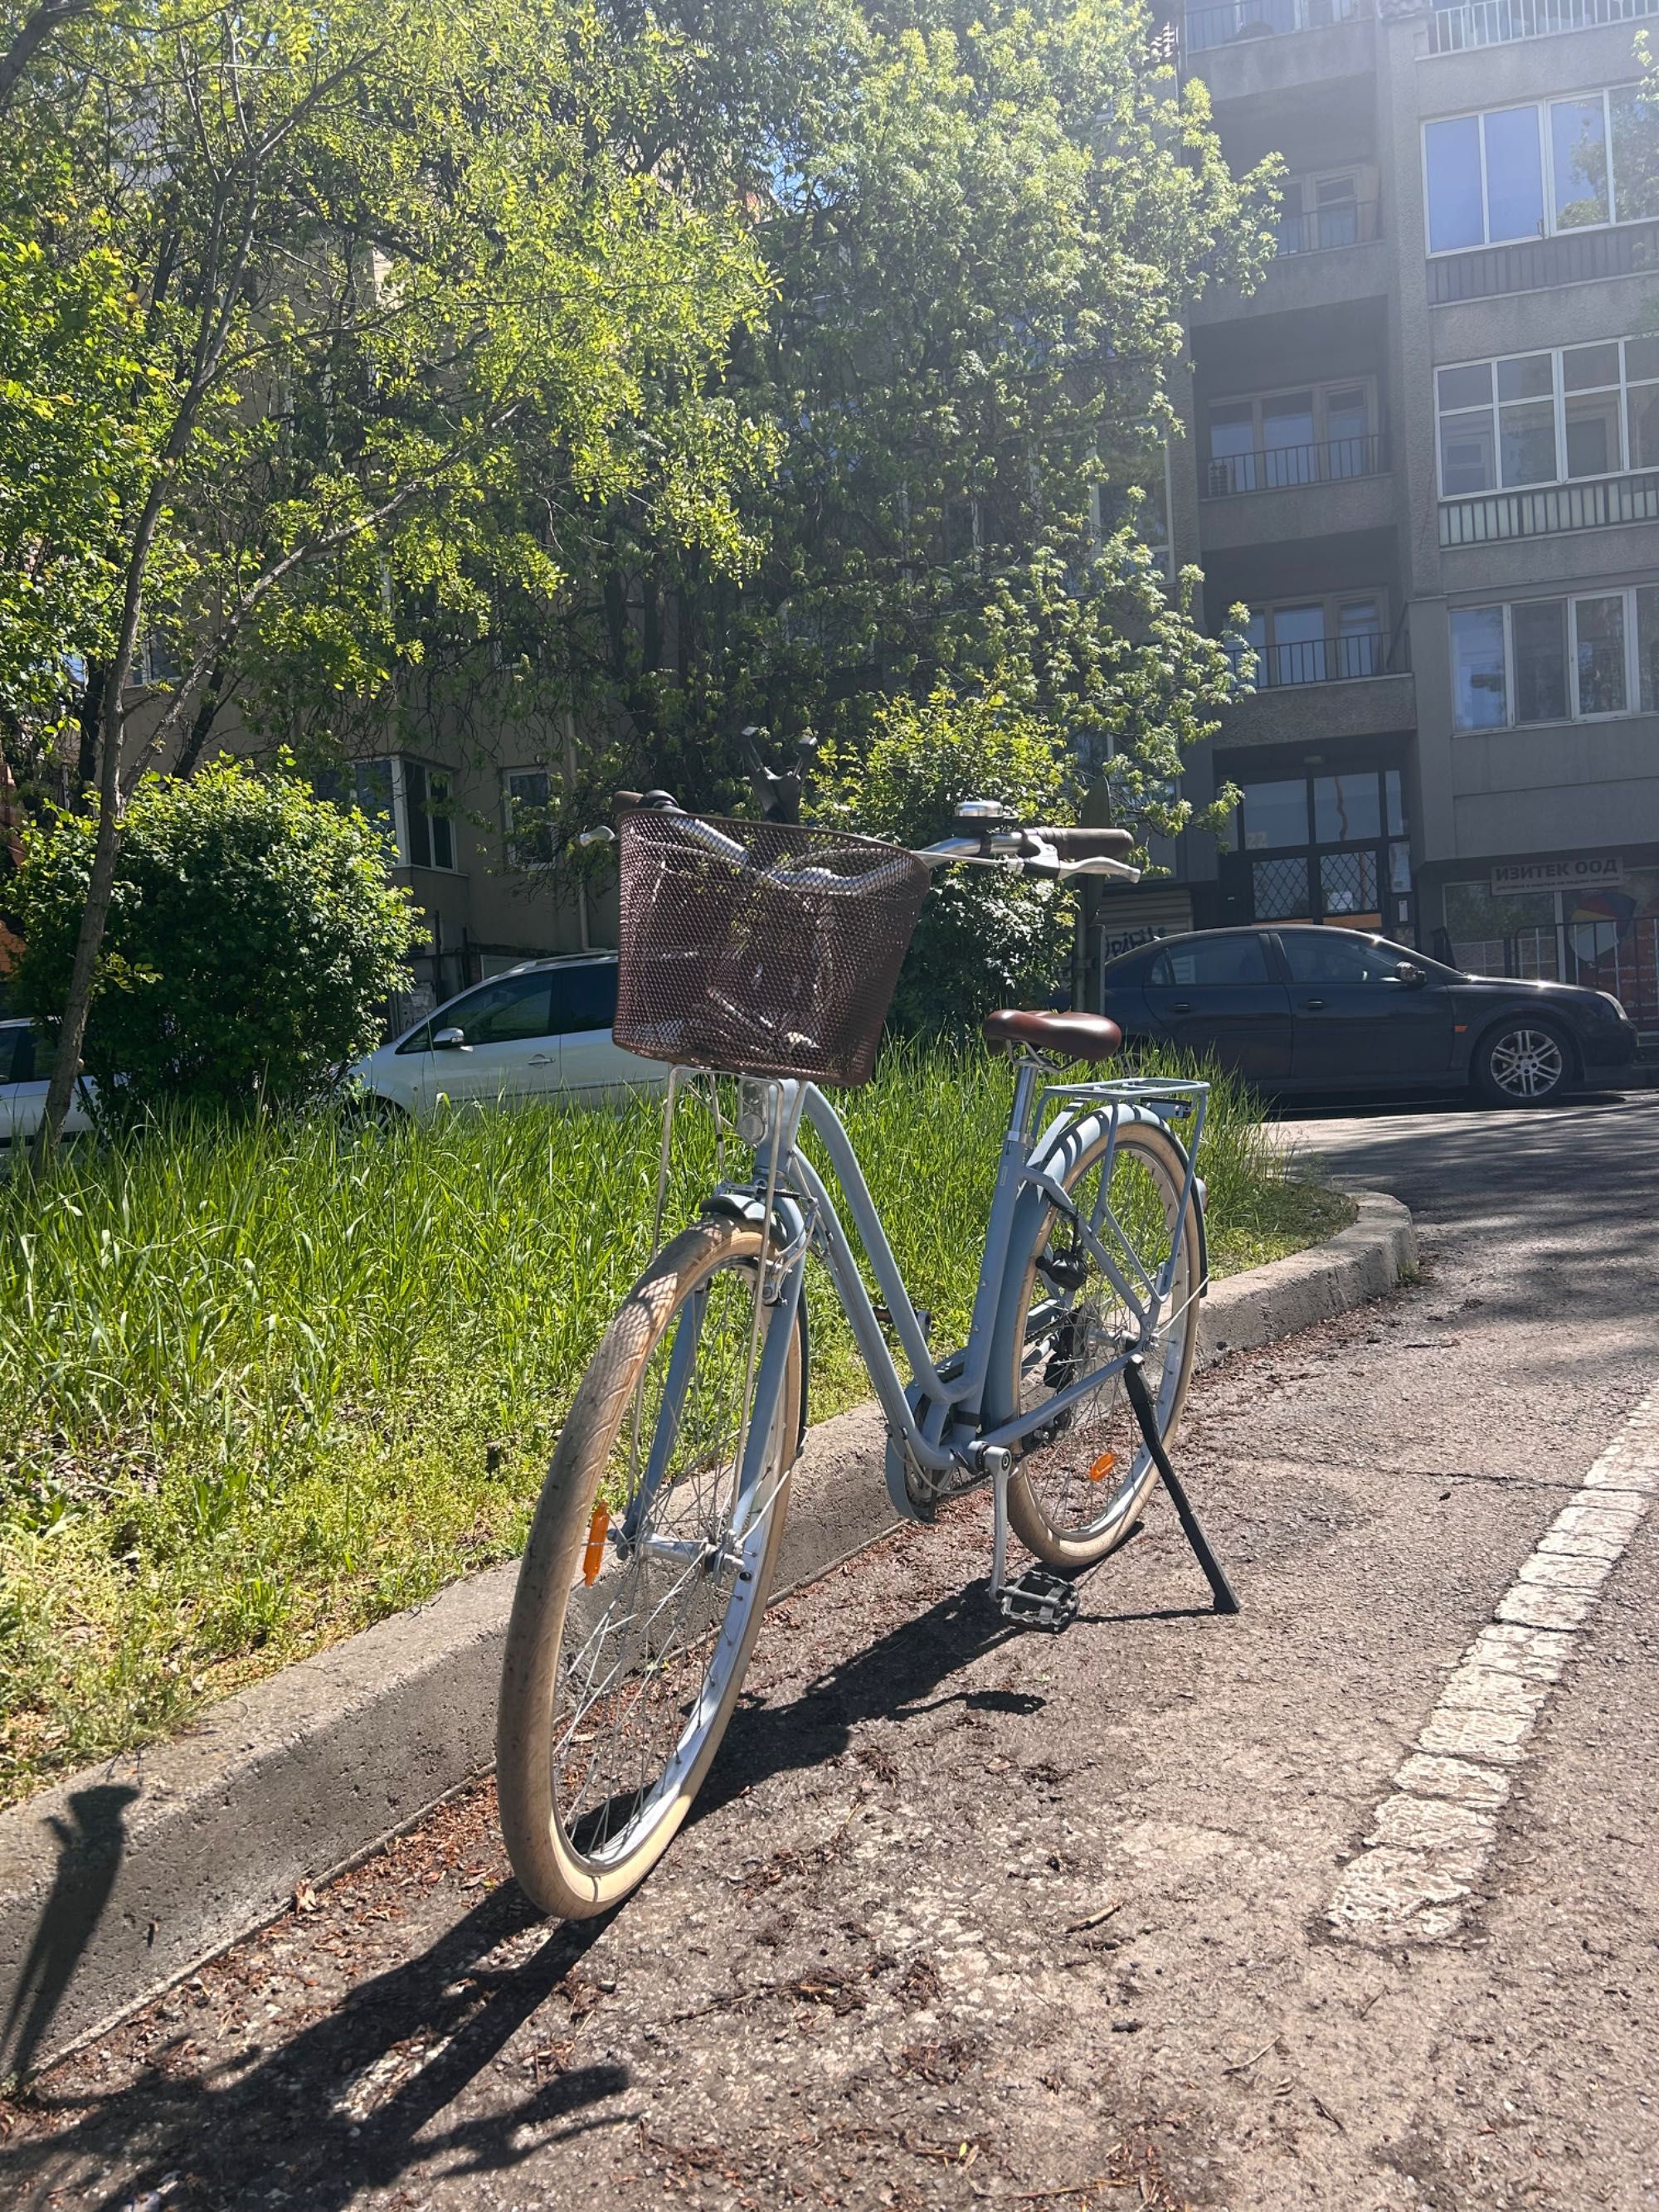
[[1062, 1036]]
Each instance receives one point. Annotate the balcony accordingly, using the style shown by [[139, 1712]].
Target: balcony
[[1495, 518], [1534, 265], [1327, 229], [1499, 22], [1349, 656], [1227, 22], [1279, 468]]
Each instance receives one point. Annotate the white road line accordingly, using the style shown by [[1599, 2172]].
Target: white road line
[[1431, 1840]]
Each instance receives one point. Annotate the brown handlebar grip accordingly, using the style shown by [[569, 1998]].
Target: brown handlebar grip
[[1088, 844]]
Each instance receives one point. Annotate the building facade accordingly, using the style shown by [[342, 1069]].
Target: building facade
[[1424, 454]]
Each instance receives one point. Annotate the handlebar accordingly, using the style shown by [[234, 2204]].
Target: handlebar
[[1054, 854]]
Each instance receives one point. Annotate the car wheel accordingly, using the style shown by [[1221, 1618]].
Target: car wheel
[[374, 1115], [1524, 1061]]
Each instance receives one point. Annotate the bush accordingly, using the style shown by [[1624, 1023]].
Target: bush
[[984, 940], [253, 936]]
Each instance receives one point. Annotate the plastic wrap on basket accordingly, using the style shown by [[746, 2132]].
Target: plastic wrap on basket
[[759, 947]]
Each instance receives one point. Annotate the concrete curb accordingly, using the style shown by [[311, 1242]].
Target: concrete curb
[[128, 1875]]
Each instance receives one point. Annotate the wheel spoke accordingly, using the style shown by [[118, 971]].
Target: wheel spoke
[[631, 1701]]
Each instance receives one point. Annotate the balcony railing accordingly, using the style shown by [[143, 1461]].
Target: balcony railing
[[1231, 20], [1278, 467], [1349, 656], [1489, 518], [1497, 22], [1322, 230], [1532, 264]]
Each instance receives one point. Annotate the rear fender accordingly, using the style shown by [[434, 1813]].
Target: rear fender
[[1056, 1156]]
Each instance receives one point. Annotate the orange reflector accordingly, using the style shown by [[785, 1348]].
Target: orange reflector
[[593, 1556], [1102, 1467]]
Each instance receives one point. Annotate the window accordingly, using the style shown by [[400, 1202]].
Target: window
[[156, 663], [1479, 701], [1553, 661], [1208, 961], [1550, 166], [506, 1011], [27, 1055], [428, 834], [1275, 814], [1309, 435], [1538, 629], [1331, 957], [1346, 808], [366, 785], [1141, 505], [584, 998], [1555, 417], [525, 792]]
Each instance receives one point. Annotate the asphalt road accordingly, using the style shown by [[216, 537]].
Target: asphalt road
[[969, 1917]]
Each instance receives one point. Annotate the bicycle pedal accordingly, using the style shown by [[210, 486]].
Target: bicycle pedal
[[1039, 1600]]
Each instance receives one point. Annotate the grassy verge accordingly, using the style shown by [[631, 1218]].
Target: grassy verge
[[261, 1386]]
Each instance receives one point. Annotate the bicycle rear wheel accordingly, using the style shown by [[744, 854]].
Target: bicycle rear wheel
[[616, 1686], [1079, 1485]]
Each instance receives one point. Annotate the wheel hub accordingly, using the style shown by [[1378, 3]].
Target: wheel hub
[[1527, 1062]]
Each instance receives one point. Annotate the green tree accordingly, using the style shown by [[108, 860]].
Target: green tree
[[983, 939], [253, 936], [361, 261], [984, 228]]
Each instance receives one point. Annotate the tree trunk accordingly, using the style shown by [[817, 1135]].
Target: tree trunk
[[107, 851]]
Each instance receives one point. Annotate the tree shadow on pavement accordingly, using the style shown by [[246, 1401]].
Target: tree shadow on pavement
[[303, 2117]]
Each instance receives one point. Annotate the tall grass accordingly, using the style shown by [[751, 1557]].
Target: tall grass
[[262, 1383]]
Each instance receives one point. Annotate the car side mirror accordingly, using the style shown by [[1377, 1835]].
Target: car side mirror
[[448, 1040], [1409, 973]]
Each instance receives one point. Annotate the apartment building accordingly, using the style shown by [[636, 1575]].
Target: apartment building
[[1424, 452]]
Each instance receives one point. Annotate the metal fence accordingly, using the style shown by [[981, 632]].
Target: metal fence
[[1532, 264], [1338, 659], [1274, 468], [1219, 25], [1321, 230], [1496, 22], [1601, 955], [1491, 517]]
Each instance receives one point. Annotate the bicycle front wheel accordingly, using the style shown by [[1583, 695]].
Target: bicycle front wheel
[[625, 1654], [1080, 1484]]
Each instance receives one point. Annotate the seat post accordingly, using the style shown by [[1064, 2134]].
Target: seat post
[[1028, 1074]]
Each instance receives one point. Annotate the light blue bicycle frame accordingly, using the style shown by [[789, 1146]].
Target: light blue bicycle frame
[[938, 1421]]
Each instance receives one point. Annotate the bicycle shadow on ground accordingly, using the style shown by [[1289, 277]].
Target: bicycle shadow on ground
[[903, 1676], [286, 2122]]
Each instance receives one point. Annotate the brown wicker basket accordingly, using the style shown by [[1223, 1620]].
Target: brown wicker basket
[[760, 948]]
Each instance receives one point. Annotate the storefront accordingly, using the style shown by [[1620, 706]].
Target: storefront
[[1587, 917]]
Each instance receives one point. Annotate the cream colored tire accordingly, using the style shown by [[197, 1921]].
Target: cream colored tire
[[565, 1858]]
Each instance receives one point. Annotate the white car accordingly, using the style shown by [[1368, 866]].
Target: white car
[[26, 1056], [541, 1031]]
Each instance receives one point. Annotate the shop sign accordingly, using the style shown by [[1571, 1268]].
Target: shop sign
[[1595, 871]]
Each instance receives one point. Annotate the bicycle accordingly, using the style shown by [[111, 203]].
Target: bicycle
[[766, 953]]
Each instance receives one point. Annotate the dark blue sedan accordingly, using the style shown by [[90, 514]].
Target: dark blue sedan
[[1311, 1009]]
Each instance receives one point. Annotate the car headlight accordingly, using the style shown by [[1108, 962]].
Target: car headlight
[[1607, 1000]]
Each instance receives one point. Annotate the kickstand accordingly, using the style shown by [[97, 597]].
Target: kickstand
[[1134, 1384]]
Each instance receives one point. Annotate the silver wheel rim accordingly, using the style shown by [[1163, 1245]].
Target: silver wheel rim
[[1113, 1500], [648, 1671], [1527, 1063]]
